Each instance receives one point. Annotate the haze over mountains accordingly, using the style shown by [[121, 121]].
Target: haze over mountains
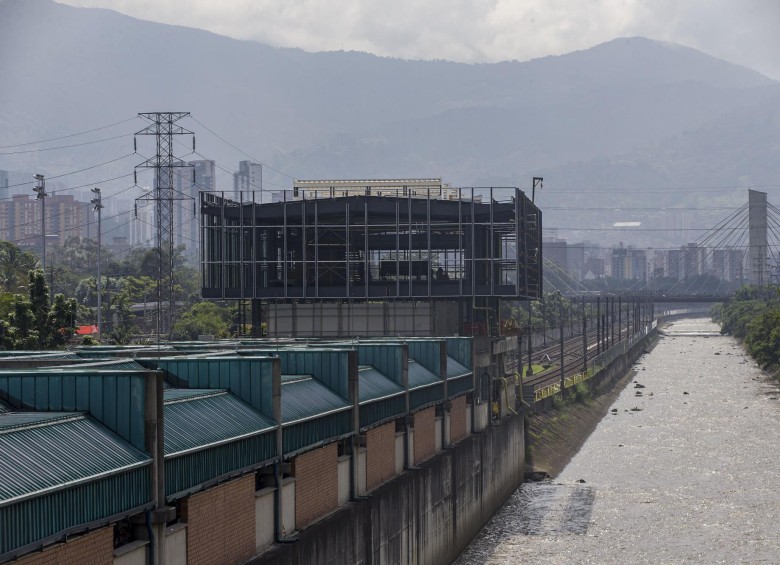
[[632, 114]]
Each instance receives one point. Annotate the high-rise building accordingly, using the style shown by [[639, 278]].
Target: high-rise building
[[143, 231], [3, 185], [694, 260], [555, 250], [20, 219], [727, 264], [188, 182], [629, 263], [674, 267], [249, 177]]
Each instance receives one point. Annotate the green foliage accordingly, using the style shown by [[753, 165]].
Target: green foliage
[[32, 323], [22, 332], [204, 318], [15, 265], [737, 315], [6, 304], [582, 392], [39, 303], [61, 321], [753, 315], [716, 311], [72, 271], [545, 313]]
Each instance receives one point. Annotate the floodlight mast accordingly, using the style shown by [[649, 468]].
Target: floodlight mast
[[40, 194], [97, 206]]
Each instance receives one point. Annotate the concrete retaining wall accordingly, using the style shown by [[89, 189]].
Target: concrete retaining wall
[[426, 515]]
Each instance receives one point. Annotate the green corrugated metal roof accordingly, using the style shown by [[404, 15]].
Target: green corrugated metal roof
[[206, 353], [195, 346], [196, 419], [110, 364], [4, 407], [109, 351], [53, 451], [88, 348], [374, 385], [293, 378], [26, 354], [306, 397], [455, 369], [419, 376], [41, 356]]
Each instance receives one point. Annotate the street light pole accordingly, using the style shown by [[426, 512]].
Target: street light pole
[[97, 206], [40, 191]]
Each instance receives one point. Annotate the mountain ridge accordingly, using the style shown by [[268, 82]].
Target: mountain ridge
[[352, 114]]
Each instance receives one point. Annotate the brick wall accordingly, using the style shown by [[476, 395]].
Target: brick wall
[[424, 434], [221, 523], [94, 548], [380, 455], [316, 484], [458, 419]]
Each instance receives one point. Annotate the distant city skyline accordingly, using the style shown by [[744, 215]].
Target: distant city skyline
[[478, 32]]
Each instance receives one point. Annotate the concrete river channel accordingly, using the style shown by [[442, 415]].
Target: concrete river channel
[[686, 469]]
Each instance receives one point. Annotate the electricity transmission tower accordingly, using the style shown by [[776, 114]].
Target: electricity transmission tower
[[164, 126]]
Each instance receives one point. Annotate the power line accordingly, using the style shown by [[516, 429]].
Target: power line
[[238, 149], [74, 172], [630, 229], [69, 135], [225, 169], [37, 235], [64, 146], [652, 209], [81, 207], [632, 190]]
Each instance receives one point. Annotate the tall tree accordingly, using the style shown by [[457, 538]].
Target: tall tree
[[61, 321], [15, 265], [39, 303]]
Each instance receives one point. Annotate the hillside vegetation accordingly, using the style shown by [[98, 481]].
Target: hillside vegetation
[[753, 316]]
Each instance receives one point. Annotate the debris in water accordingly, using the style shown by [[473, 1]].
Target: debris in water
[[637, 385], [636, 409], [685, 392]]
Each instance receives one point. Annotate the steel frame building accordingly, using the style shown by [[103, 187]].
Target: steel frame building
[[477, 243]]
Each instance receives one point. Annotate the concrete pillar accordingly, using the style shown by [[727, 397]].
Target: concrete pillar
[[757, 239]]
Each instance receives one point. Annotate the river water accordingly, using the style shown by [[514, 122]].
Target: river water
[[687, 472]]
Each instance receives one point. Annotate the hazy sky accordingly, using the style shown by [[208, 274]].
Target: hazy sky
[[741, 31]]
